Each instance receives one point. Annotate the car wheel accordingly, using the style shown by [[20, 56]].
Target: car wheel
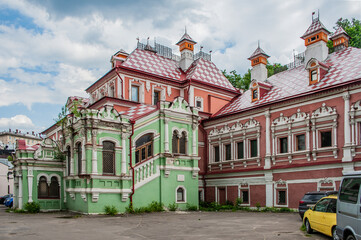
[[308, 226], [334, 234], [350, 237]]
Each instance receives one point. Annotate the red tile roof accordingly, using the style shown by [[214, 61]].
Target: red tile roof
[[345, 65], [138, 111], [338, 32], [315, 26], [258, 51], [22, 146], [201, 70]]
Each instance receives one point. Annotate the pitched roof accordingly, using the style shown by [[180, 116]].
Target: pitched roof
[[258, 51], [22, 145], [186, 37], [206, 71], [315, 26], [201, 70], [138, 111], [345, 65], [338, 32]]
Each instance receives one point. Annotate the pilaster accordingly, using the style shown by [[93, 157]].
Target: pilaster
[[347, 156]]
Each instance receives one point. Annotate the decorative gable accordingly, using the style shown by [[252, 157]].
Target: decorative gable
[[317, 70]]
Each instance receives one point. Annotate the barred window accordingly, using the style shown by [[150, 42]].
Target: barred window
[[54, 188], [42, 188], [78, 146], [108, 158], [180, 195], [144, 148]]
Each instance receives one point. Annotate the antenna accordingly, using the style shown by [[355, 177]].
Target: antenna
[[258, 43], [147, 40]]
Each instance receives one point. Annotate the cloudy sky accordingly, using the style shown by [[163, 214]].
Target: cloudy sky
[[51, 49]]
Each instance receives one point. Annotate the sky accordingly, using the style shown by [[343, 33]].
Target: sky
[[52, 49]]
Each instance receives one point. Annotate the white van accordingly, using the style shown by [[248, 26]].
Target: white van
[[349, 207]]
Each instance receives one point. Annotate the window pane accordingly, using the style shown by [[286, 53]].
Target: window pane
[[199, 104], [240, 150], [216, 153], [314, 75], [255, 94], [283, 145], [135, 93], [180, 195], [301, 142], [175, 141], [69, 160], [54, 188], [349, 190], [156, 97], [281, 197], [137, 156], [108, 157], [326, 139], [79, 158], [182, 144], [143, 154], [332, 206], [245, 196], [150, 150], [321, 206], [228, 151], [144, 140], [254, 152], [42, 188]]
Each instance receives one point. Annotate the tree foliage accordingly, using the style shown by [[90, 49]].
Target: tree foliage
[[243, 82], [352, 28]]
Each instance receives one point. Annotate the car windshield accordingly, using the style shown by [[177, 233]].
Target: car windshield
[[312, 197]]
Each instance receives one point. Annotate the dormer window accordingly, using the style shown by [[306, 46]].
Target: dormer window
[[313, 76]]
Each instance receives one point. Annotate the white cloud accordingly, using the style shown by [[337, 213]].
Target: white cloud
[[18, 122]]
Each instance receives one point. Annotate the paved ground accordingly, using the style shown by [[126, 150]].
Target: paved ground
[[166, 225]]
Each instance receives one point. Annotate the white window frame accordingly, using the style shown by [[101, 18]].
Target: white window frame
[[184, 194]]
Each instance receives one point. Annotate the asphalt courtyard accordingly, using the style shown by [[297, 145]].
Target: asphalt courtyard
[[165, 225]]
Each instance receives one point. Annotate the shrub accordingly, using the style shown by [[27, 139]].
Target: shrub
[[155, 207], [173, 207], [191, 207], [228, 203], [258, 206], [239, 201], [110, 210], [32, 207]]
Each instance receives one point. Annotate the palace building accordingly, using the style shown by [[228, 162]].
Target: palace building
[[172, 129]]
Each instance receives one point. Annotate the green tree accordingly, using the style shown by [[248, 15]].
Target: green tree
[[352, 28]]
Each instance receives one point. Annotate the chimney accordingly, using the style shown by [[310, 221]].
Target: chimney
[[186, 47], [258, 61], [16, 131], [316, 40]]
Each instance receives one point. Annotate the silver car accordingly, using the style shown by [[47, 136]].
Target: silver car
[[349, 207]]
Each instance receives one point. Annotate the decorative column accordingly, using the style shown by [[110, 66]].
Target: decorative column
[[347, 156], [267, 162], [124, 154], [269, 189], [195, 140], [30, 183], [94, 152], [191, 96], [166, 136], [83, 158], [20, 177]]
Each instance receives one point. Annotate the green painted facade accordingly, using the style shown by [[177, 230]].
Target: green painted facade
[[88, 190]]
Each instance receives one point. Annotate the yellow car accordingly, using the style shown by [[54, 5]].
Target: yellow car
[[322, 217]]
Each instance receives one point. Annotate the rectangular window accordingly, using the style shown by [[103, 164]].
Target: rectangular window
[[300, 142], [284, 145], [199, 104], [245, 195], [282, 197], [156, 97], [135, 93], [228, 151], [240, 154], [254, 150], [349, 190], [216, 154], [326, 139]]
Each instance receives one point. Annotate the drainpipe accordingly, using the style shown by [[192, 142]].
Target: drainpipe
[[205, 156], [121, 93], [131, 163]]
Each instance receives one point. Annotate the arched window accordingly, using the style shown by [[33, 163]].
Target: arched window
[[78, 146], [43, 188], [108, 158], [144, 147], [182, 143], [179, 144], [54, 188], [69, 159], [180, 195]]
